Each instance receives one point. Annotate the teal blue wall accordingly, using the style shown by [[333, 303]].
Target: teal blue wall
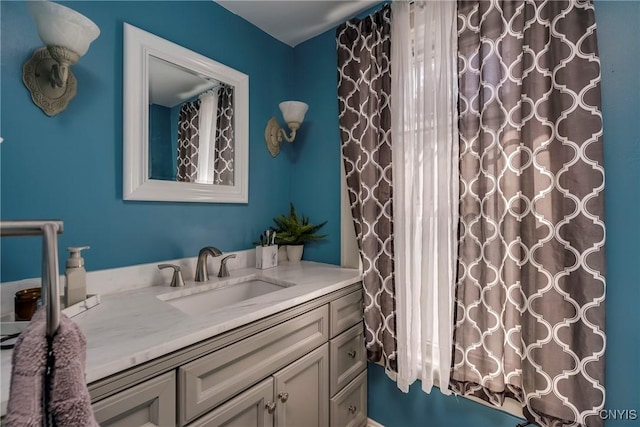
[[392, 408], [161, 150], [619, 41], [70, 166], [316, 153]]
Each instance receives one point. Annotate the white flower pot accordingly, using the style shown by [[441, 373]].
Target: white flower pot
[[294, 252], [282, 253]]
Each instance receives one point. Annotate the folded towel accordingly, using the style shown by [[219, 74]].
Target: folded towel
[[70, 404]]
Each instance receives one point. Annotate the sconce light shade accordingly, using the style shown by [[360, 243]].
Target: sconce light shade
[[60, 26], [67, 35], [293, 113]]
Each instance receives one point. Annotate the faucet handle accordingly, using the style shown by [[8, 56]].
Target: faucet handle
[[224, 271], [177, 280]]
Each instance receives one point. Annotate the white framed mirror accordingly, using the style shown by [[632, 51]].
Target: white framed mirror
[[186, 124]]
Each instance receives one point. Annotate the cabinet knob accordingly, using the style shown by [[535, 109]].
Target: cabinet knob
[[271, 407], [284, 396], [352, 354], [352, 409]]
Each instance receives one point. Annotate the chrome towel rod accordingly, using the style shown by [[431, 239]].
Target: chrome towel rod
[[48, 229]]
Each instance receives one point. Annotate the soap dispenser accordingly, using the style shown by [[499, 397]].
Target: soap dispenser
[[76, 283]]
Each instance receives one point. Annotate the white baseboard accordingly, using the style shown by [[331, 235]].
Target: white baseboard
[[371, 423]]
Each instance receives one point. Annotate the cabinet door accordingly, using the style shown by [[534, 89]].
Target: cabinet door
[[302, 391], [253, 408], [151, 403]]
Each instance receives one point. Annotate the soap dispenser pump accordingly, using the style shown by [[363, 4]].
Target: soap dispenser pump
[[76, 275]]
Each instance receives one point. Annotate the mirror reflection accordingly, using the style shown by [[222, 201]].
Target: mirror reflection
[[191, 126], [186, 123]]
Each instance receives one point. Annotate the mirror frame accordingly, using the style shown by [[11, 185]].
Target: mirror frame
[[139, 45]]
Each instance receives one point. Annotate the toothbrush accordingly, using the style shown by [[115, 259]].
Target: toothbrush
[[268, 232], [273, 238]]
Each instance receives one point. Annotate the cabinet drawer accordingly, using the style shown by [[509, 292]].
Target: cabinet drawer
[[347, 357], [349, 407], [212, 379], [151, 403], [345, 312]]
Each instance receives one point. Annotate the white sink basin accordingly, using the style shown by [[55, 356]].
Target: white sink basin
[[211, 299]]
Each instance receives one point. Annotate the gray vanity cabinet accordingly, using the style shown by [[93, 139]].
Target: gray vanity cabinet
[[211, 380], [349, 405], [348, 357], [302, 391], [151, 403], [302, 367], [348, 375], [296, 396], [249, 409]]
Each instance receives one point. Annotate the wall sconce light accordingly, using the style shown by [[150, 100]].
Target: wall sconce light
[[293, 113], [67, 35]]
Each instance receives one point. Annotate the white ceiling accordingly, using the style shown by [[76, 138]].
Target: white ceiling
[[293, 22], [170, 85]]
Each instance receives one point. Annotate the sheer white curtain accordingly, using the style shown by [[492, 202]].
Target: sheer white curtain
[[207, 133], [425, 179]]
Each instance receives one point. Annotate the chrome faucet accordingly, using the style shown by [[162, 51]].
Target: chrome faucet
[[202, 275]]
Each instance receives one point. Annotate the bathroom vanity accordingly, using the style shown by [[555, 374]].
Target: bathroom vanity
[[293, 356], [304, 366]]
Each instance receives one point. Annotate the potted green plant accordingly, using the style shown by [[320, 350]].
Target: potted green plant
[[294, 231]]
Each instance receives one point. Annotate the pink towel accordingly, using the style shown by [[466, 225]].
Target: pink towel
[[70, 402]]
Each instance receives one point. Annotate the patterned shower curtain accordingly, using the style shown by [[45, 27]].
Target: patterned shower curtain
[[188, 142], [223, 165], [364, 85], [531, 289]]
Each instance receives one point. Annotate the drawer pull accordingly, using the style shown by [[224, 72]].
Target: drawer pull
[[352, 409], [352, 354], [284, 396], [271, 407]]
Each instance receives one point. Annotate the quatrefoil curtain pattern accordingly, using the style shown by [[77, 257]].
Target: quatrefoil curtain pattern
[[188, 142], [530, 295], [528, 285], [223, 165], [364, 86], [205, 138]]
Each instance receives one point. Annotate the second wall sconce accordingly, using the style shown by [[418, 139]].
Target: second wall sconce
[[293, 113], [67, 35]]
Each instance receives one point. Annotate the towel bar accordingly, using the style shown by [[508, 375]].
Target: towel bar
[[50, 273]]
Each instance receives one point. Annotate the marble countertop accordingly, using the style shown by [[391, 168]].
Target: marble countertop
[[132, 327]]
